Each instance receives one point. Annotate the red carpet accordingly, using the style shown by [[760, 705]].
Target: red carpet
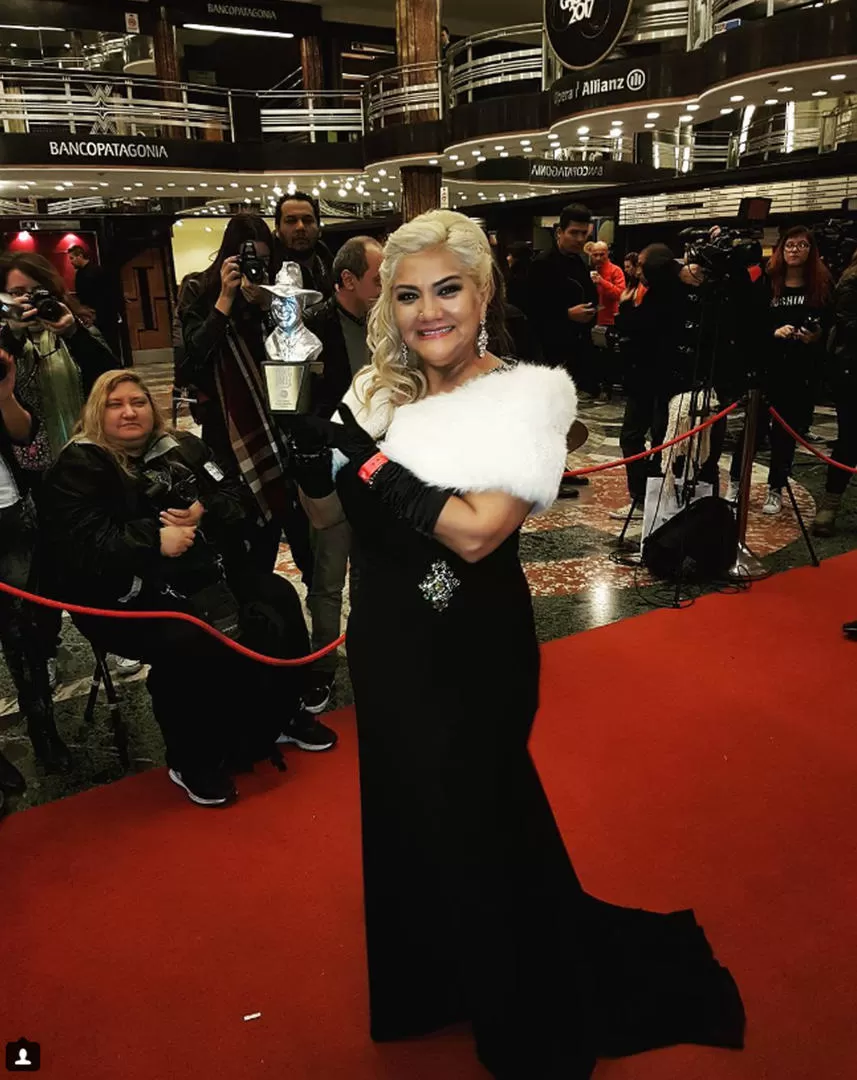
[[704, 758]]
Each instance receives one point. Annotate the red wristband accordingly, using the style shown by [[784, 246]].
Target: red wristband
[[369, 468]]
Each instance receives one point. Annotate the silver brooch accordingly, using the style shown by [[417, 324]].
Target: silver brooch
[[439, 584]]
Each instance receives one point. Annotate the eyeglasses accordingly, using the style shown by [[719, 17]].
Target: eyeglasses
[[797, 245]]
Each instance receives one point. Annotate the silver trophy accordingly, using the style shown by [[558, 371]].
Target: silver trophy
[[291, 347]]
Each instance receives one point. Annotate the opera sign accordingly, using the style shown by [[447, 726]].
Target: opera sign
[[583, 32]]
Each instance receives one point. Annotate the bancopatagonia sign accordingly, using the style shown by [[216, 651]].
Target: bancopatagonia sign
[[91, 148], [634, 80], [548, 170], [583, 32], [241, 11]]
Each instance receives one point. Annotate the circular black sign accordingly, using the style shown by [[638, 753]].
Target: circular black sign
[[583, 32]]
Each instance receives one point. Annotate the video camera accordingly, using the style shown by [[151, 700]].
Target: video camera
[[254, 268], [837, 242], [723, 252]]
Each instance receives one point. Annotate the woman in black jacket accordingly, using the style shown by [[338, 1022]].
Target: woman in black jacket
[[224, 329], [57, 360], [141, 518], [22, 644], [843, 377]]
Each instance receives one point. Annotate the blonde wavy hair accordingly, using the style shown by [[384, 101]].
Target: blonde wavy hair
[[437, 228], [90, 426]]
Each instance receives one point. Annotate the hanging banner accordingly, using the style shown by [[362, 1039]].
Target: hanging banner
[[583, 32]]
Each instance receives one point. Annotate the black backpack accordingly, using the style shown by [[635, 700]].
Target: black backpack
[[699, 543]]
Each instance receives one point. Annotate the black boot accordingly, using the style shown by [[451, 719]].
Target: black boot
[[11, 781], [50, 750]]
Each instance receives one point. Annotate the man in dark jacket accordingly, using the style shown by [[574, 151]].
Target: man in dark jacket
[[340, 324], [296, 226], [96, 294], [564, 299]]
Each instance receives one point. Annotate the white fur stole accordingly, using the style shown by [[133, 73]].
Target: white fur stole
[[504, 431]]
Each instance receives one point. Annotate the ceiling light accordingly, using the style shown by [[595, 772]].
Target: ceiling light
[[137, 183], [68, 183], [504, 153], [726, 112], [263, 186], [772, 101], [315, 192], [476, 153], [248, 189], [233, 184], [526, 142], [584, 138], [553, 136], [179, 224], [208, 228], [583, 131], [203, 185], [692, 108], [59, 187], [464, 198], [737, 97], [243, 31], [819, 93], [191, 189], [247, 200], [433, 161], [686, 118], [480, 158], [837, 78], [648, 125], [452, 157], [342, 193], [382, 172], [785, 89], [616, 123], [481, 194], [499, 148], [652, 115], [124, 189]]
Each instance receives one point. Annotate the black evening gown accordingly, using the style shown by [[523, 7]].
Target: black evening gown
[[473, 909]]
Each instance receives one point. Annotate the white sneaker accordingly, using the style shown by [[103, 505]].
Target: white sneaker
[[624, 511], [774, 502], [124, 667], [733, 491]]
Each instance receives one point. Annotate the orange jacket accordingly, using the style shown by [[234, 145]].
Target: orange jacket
[[610, 288]]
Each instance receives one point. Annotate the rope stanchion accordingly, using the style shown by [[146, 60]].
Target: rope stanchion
[[808, 446], [655, 449], [180, 616]]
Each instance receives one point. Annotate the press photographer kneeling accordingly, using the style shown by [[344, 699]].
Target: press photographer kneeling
[[141, 518]]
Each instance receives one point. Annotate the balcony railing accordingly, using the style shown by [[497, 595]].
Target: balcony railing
[[512, 54], [402, 95], [313, 116]]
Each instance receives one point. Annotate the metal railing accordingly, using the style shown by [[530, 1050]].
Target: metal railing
[[786, 131], [512, 54], [685, 150], [50, 102], [397, 95], [314, 116]]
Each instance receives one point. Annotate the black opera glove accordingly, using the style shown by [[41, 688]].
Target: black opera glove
[[309, 456], [405, 494]]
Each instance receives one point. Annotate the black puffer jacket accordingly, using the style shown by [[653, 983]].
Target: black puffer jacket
[[843, 340], [103, 529]]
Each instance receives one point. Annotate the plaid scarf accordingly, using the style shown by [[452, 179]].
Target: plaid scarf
[[251, 432]]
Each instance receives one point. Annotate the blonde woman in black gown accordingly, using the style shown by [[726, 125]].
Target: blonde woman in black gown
[[473, 909]]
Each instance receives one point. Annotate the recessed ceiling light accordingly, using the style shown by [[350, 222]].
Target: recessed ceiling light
[[726, 112], [684, 119], [499, 148], [553, 137], [772, 101], [526, 142], [819, 93], [481, 194], [616, 123], [736, 97], [785, 89], [476, 153], [837, 78], [692, 108], [137, 183], [124, 189], [584, 138], [433, 161], [342, 193], [248, 189], [233, 184], [652, 115], [648, 125], [382, 172], [481, 157], [94, 188], [464, 198], [248, 200], [504, 153], [208, 228], [322, 184], [583, 131]]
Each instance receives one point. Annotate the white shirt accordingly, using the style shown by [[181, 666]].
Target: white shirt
[[8, 488]]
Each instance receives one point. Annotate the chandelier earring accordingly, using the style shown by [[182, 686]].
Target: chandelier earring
[[404, 355], [482, 340]]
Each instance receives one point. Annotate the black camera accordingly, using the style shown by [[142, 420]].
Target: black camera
[[46, 304], [251, 265], [837, 242], [724, 253], [811, 324]]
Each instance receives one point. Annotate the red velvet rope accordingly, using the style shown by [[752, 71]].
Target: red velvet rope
[[276, 661], [181, 616], [807, 446], [655, 449]]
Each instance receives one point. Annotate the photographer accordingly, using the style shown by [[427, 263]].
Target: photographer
[[224, 329], [796, 299], [21, 640], [57, 360], [140, 518], [843, 378]]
